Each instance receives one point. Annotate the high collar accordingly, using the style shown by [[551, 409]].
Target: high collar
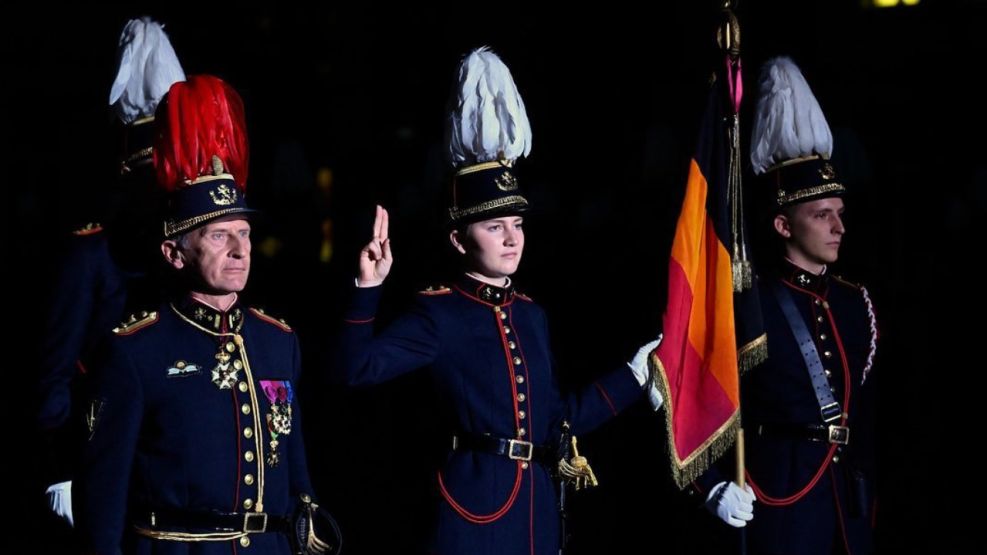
[[210, 317], [804, 279], [485, 292]]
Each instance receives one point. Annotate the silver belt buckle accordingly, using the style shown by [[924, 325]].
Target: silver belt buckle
[[519, 450], [839, 435]]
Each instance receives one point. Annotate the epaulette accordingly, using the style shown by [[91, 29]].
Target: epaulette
[[840, 279], [91, 228], [279, 322], [134, 323], [523, 297], [432, 290]]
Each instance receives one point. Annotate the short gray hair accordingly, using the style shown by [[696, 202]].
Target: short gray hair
[[184, 240]]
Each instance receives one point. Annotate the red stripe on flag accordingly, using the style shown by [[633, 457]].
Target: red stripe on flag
[[699, 405]]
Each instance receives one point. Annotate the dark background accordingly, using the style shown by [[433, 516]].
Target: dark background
[[614, 95]]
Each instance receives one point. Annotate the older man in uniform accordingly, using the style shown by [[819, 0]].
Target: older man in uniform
[[195, 443]]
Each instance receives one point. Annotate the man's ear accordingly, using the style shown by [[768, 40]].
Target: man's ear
[[782, 226], [455, 239], [172, 254]]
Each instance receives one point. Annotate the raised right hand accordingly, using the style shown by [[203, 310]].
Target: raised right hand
[[375, 258]]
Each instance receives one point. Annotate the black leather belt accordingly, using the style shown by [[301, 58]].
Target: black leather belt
[[813, 432], [214, 521], [515, 449]]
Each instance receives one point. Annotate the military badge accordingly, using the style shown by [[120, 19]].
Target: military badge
[[225, 374], [223, 195], [506, 182], [182, 369], [279, 394]]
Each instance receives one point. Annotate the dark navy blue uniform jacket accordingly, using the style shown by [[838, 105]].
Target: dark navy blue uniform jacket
[[778, 395], [487, 351], [164, 437], [87, 299]]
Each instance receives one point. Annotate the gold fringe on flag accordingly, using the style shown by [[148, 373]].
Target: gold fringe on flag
[[695, 464], [753, 353]]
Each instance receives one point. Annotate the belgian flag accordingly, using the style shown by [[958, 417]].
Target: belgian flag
[[711, 323]]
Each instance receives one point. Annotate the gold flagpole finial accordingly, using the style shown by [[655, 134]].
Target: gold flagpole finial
[[728, 32]]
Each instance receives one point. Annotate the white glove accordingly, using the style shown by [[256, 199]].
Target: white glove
[[60, 500], [731, 504], [639, 365]]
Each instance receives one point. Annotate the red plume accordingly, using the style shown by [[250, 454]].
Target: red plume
[[198, 119]]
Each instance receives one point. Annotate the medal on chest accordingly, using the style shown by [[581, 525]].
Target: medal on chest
[[228, 366], [280, 395]]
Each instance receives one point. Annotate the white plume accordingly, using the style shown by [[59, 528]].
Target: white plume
[[789, 122], [487, 118], [148, 68]]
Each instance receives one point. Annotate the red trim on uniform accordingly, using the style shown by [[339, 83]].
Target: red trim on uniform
[[800, 290], [85, 232], [482, 519], [270, 320], [527, 379], [530, 425], [699, 489], [785, 501], [523, 297], [486, 519], [433, 292], [511, 376], [81, 367], [479, 300], [847, 386], [367, 321], [839, 513], [606, 397]]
